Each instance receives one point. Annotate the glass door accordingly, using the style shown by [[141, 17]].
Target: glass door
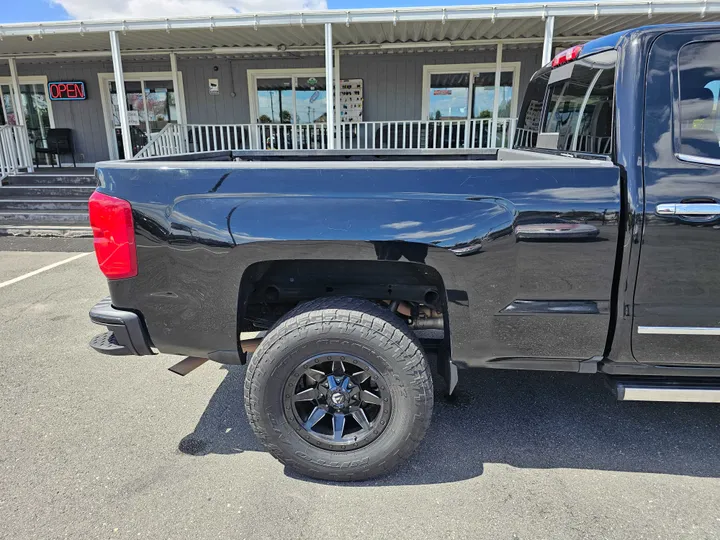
[[310, 100], [483, 97], [34, 100], [275, 101], [448, 96], [300, 102], [151, 106]]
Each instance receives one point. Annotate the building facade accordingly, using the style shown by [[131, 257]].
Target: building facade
[[406, 78]]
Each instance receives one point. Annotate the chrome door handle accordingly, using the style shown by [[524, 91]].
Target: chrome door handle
[[688, 209]]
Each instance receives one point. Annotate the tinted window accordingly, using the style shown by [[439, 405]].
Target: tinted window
[[699, 66], [529, 118], [578, 106], [595, 128]]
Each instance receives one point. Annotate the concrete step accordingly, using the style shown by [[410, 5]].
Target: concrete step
[[45, 204], [41, 217], [44, 191], [54, 231], [55, 179]]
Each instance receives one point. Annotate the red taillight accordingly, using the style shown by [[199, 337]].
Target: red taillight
[[568, 55], [114, 236]]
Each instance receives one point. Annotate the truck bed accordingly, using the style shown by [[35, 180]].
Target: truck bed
[[442, 154], [523, 242]]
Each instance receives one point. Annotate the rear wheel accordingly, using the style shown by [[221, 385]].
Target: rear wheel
[[339, 389]]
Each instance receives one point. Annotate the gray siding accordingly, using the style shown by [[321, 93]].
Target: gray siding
[[393, 83], [392, 86]]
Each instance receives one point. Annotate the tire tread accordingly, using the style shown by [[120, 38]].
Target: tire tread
[[371, 322]]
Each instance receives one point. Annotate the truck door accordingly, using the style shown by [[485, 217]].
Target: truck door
[[676, 315]]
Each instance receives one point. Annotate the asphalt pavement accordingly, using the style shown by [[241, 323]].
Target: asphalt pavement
[[102, 447]]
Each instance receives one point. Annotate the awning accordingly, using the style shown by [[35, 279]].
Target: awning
[[352, 29]]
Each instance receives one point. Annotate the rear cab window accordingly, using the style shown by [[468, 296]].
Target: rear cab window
[[572, 106]]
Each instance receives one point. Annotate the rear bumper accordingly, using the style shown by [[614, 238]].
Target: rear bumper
[[126, 334]]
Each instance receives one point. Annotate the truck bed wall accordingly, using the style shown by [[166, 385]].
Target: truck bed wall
[[200, 225]]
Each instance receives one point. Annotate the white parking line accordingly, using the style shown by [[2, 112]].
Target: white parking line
[[43, 269]]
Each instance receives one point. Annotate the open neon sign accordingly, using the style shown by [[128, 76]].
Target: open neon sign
[[67, 91]]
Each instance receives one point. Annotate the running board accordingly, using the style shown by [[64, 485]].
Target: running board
[[670, 393]]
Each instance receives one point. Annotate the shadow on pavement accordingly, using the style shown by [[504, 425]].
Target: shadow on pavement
[[523, 419]]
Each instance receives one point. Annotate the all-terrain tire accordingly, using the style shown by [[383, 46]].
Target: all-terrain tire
[[356, 327]]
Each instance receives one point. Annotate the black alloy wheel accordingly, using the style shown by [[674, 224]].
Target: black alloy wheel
[[337, 401]]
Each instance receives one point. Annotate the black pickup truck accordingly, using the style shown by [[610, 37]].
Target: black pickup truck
[[593, 246]]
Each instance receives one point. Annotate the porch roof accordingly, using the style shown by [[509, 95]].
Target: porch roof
[[352, 29]]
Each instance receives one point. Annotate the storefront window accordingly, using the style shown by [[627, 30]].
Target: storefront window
[[450, 95], [274, 97], [287, 100], [310, 100], [484, 94]]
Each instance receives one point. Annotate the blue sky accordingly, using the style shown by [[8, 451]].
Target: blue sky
[[48, 10]]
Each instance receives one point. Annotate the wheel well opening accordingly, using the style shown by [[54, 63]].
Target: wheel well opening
[[270, 289]]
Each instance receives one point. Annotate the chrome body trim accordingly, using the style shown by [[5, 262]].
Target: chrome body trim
[[698, 159], [669, 394], [688, 209], [680, 330]]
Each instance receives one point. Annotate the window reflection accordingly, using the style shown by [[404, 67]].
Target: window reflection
[[699, 66], [278, 103], [450, 95]]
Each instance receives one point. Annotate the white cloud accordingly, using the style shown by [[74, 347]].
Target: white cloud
[[402, 225], [131, 9]]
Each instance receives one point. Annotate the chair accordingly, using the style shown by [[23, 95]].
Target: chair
[[58, 142]]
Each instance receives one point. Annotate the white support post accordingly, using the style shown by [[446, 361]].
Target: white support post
[[547, 41], [176, 87], [329, 83], [120, 89], [20, 116], [338, 118], [179, 105], [496, 98], [17, 100]]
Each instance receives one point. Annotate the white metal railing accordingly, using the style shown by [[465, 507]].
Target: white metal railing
[[167, 142], [403, 135], [525, 138], [14, 150], [193, 138], [427, 134]]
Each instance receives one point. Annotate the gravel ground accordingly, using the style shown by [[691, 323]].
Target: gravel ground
[[102, 447]]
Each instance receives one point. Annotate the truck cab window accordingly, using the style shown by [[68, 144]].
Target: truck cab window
[[579, 107], [528, 125], [580, 110], [594, 129], [699, 69]]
